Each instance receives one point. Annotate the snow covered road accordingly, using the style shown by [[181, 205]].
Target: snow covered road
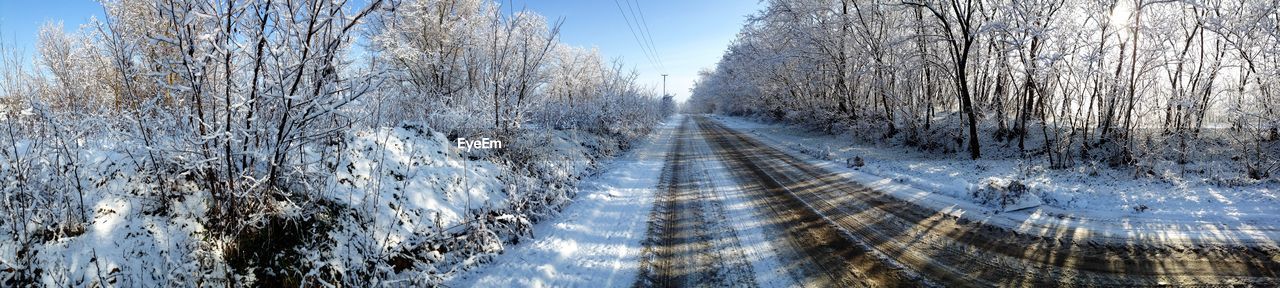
[[946, 248], [701, 204], [690, 239]]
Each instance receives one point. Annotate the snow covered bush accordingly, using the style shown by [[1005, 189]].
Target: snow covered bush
[[1005, 194]]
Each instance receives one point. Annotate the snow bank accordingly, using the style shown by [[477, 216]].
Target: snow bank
[[595, 242], [134, 229], [412, 179], [425, 209], [1160, 202]]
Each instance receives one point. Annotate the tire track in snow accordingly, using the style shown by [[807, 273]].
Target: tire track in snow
[[690, 242], [815, 251], [750, 225]]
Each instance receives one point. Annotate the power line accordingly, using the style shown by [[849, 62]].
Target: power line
[[634, 35], [643, 24], [647, 33]]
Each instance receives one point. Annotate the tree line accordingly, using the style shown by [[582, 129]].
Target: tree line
[[1110, 80]]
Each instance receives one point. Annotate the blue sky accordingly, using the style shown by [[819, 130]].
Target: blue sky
[[21, 20], [688, 35]]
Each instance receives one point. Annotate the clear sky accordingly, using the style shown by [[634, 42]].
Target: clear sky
[[689, 35], [20, 20]]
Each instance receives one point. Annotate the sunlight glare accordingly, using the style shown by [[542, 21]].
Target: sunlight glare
[[1120, 15]]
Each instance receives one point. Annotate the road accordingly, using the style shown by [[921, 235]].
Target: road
[[816, 228]]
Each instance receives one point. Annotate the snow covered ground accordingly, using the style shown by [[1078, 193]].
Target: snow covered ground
[[124, 238], [401, 194], [596, 240], [416, 174], [1109, 204]]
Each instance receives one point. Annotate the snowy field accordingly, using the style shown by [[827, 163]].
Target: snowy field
[[1107, 202]]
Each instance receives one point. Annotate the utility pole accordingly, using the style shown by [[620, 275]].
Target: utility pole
[[664, 84]]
